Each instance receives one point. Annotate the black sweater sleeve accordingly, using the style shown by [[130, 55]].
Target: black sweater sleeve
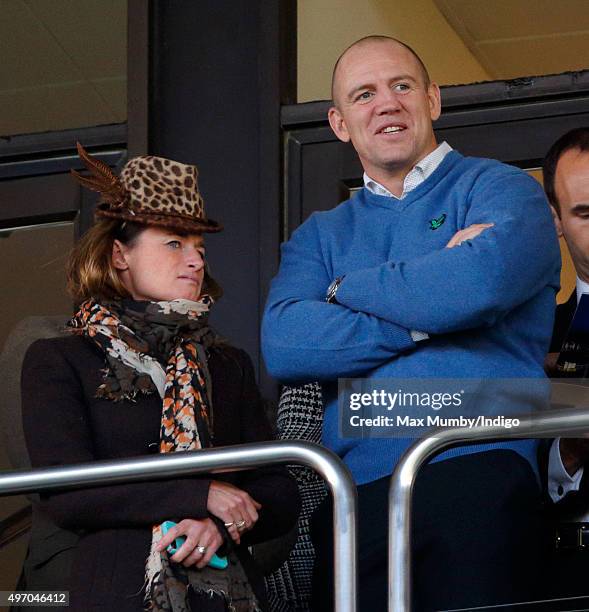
[[271, 486], [58, 432]]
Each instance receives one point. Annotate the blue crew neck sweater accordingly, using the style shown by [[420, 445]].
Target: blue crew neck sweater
[[488, 304]]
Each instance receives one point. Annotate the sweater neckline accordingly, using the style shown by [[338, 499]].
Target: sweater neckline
[[451, 159]]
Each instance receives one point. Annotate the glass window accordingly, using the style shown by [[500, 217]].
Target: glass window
[[64, 64], [33, 272], [33, 283]]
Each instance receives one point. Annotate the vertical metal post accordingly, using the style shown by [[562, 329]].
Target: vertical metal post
[[547, 424], [344, 534]]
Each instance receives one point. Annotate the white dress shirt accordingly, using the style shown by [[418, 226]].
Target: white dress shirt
[[417, 175], [582, 287]]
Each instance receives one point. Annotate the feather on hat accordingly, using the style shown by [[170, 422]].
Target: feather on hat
[[150, 190]]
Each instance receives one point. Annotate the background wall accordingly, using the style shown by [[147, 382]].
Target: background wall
[[568, 276], [327, 27]]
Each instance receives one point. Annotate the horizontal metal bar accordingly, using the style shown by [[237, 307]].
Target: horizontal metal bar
[[325, 462], [54, 164], [554, 423], [48, 143]]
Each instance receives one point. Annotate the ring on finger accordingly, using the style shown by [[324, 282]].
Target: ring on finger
[[201, 549], [240, 524], [230, 524]]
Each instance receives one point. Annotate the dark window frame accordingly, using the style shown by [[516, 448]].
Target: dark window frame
[[30, 163]]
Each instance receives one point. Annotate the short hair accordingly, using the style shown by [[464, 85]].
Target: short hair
[[379, 38], [575, 139], [90, 270]]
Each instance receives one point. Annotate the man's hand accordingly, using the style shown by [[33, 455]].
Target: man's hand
[[574, 453], [202, 542], [468, 233], [234, 507]]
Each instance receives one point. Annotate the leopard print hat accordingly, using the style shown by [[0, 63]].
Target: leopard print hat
[[150, 190]]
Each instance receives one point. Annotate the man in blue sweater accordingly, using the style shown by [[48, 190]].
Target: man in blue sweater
[[442, 266]]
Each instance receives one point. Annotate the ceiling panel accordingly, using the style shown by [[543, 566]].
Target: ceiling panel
[[513, 38], [491, 19], [536, 56]]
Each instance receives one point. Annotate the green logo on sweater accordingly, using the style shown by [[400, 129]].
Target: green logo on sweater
[[435, 223]]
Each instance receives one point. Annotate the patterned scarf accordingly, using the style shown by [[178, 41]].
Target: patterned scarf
[[137, 337]]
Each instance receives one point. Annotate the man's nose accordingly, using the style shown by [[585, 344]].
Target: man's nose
[[387, 101]]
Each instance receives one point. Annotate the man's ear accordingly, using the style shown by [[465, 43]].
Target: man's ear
[[557, 221], [435, 101], [338, 125], [119, 260]]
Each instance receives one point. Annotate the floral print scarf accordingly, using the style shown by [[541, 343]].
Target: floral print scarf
[[137, 338]]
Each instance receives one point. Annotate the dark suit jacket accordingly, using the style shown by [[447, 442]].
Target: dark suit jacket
[[562, 322], [575, 502], [65, 423]]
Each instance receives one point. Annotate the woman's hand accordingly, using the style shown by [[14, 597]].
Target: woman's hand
[[234, 507], [200, 534]]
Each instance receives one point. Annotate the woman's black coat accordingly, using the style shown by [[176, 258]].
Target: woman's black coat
[[66, 424]]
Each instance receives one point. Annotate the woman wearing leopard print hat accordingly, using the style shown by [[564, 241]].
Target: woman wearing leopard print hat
[[143, 372]]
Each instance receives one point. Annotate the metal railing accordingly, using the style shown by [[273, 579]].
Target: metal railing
[[245, 456], [332, 470], [547, 424]]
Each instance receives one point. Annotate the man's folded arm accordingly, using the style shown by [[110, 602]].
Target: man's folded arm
[[304, 338], [474, 284]]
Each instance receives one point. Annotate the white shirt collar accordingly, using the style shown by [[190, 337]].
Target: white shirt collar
[[582, 287], [417, 175]]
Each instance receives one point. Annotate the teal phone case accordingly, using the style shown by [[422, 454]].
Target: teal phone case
[[216, 562]]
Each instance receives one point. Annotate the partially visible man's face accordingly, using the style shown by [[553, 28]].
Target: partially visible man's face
[[571, 184], [384, 107]]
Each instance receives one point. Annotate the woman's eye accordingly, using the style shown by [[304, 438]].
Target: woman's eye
[[174, 244]]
